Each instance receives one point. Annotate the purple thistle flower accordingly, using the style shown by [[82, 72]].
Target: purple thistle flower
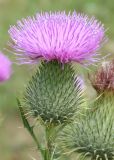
[[5, 68], [57, 36]]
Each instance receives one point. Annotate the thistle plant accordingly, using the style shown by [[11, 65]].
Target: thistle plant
[[92, 137], [54, 95]]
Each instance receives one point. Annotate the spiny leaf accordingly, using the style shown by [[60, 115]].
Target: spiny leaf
[[24, 119], [28, 127]]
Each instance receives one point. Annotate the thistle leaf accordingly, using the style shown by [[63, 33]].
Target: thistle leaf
[[24, 119], [28, 127]]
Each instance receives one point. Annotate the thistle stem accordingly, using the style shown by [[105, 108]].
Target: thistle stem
[[49, 140]]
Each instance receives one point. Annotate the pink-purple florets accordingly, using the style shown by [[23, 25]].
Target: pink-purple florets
[[57, 36], [5, 68]]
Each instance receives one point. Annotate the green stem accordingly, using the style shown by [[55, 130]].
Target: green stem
[[49, 140], [51, 134]]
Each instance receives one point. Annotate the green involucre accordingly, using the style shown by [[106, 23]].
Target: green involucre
[[53, 94]]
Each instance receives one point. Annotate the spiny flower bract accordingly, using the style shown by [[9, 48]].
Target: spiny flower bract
[[5, 68], [57, 36], [52, 94]]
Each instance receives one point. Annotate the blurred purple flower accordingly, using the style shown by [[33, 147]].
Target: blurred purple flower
[[57, 36], [5, 68]]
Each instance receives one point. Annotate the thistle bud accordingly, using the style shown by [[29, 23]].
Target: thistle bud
[[92, 136]]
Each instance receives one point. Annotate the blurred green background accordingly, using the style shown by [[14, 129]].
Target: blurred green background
[[15, 143]]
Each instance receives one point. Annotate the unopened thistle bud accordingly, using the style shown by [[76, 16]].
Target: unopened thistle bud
[[92, 136]]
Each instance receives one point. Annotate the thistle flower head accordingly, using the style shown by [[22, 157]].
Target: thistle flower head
[[57, 36], [104, 77], [5, 68]]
